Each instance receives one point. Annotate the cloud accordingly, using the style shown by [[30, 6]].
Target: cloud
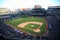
[[15, 4]]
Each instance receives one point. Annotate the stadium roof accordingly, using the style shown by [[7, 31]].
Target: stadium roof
[[54, 7]]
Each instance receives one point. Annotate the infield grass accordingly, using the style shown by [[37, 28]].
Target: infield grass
[[32, 26]]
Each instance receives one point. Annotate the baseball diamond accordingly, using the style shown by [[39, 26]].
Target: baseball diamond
[[30, 25]]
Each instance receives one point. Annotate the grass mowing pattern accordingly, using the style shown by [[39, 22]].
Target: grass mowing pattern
[[18, 21]]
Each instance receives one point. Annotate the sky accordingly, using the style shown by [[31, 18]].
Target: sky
[[15, 4]]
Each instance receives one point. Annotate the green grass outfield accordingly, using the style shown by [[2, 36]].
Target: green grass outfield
[[18, 21]]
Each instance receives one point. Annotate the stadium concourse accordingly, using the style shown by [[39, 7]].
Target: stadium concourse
[[8, 32]]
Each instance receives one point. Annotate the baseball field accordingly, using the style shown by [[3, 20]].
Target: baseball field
[[30, 25]]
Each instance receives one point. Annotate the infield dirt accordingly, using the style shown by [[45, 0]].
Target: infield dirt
[[22, 25]]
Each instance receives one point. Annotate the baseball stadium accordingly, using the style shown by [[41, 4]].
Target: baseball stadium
[[30, 23], [34, 24]]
